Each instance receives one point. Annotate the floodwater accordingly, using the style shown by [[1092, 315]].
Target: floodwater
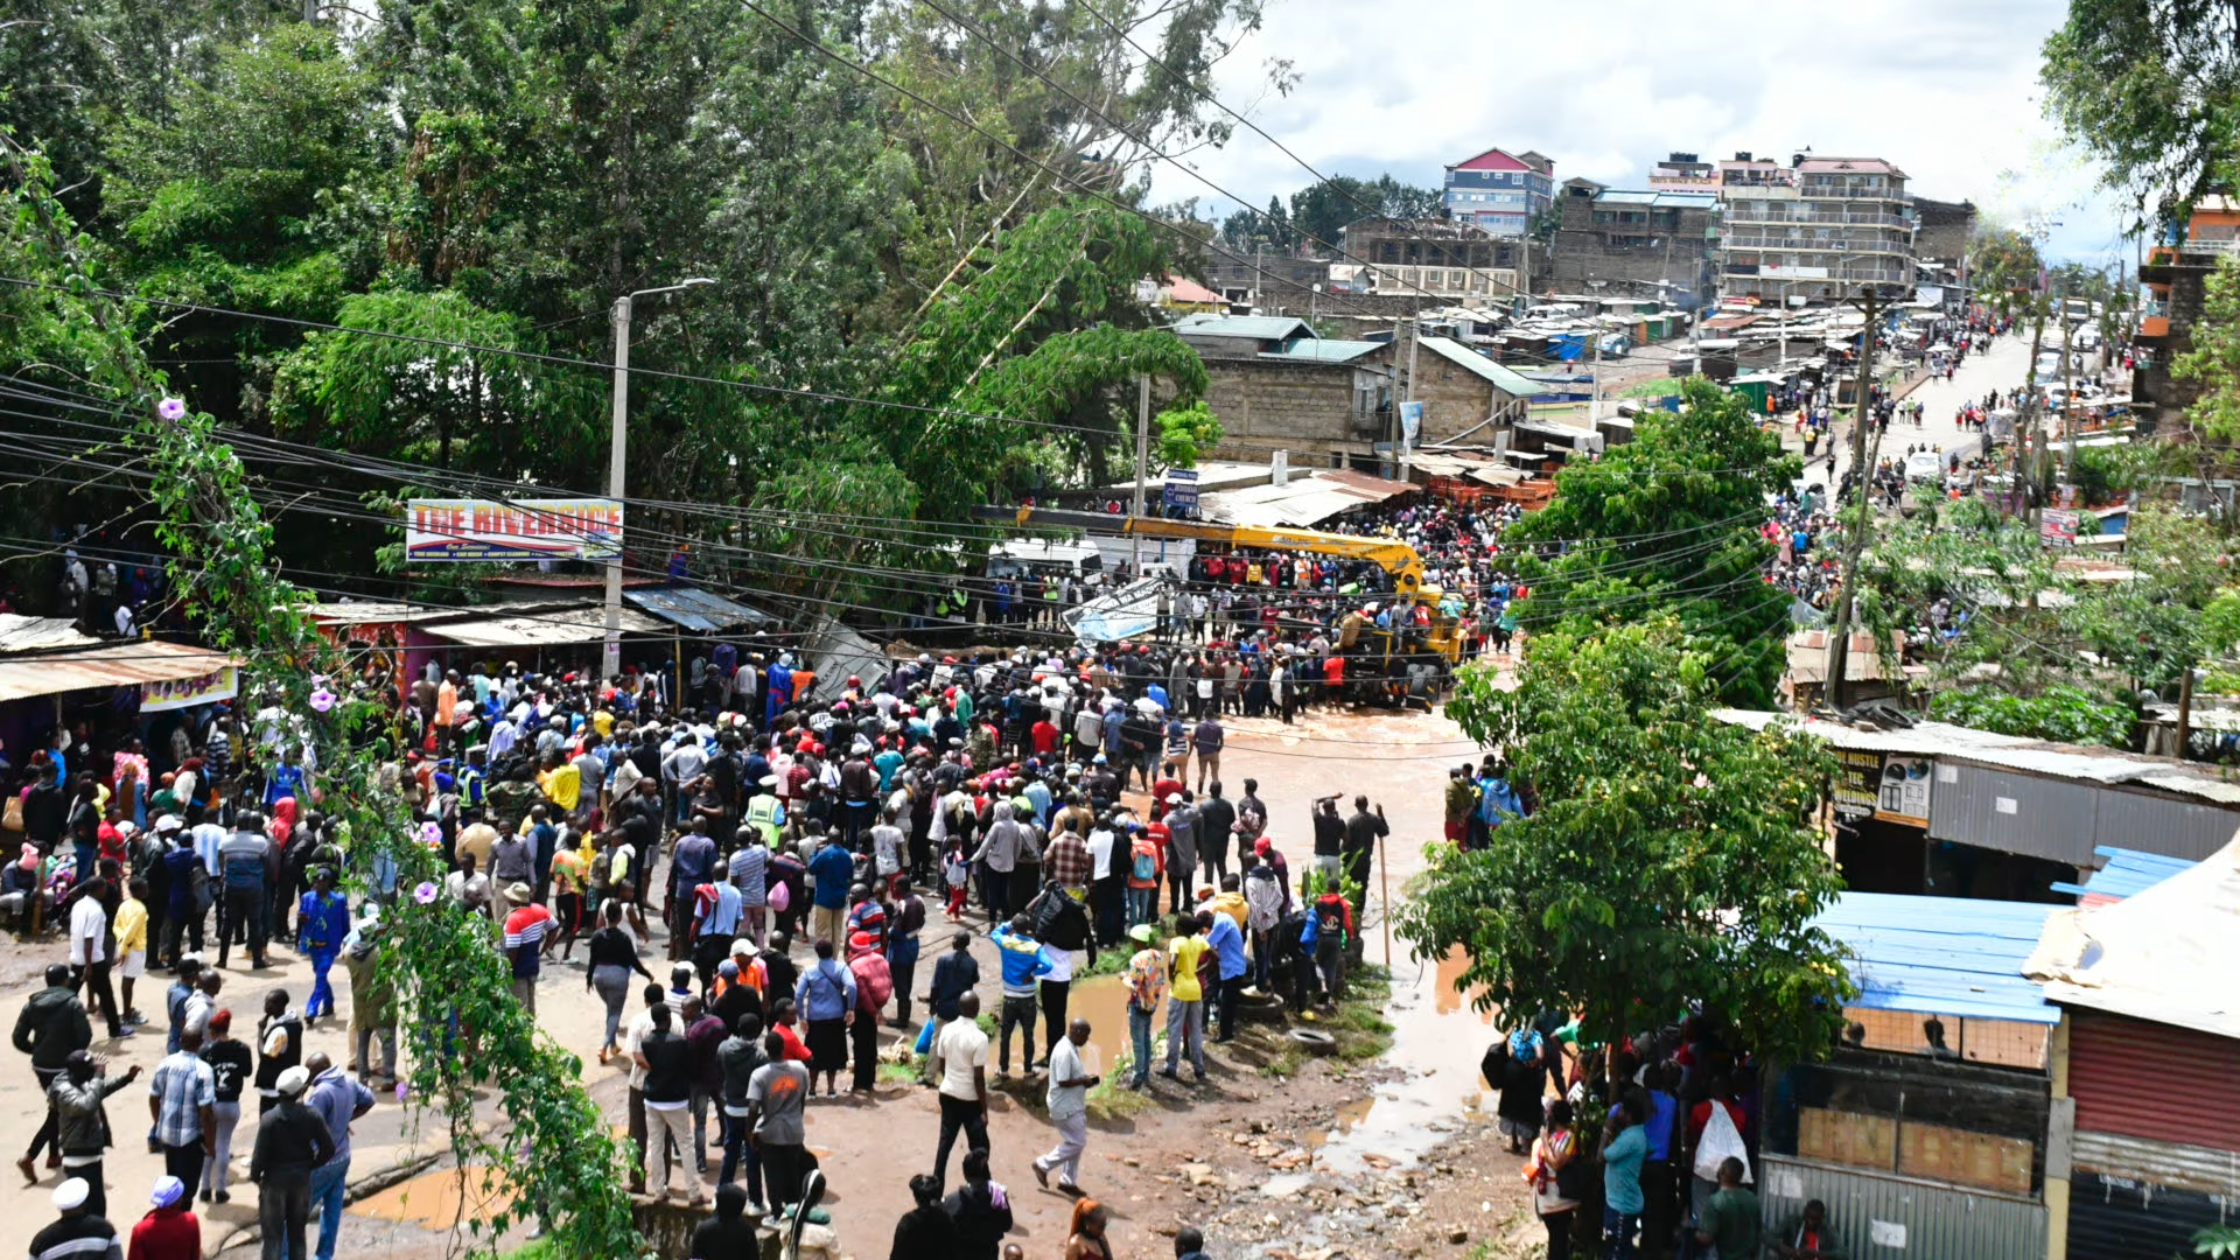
[[438, 1199], [1438, 1036]]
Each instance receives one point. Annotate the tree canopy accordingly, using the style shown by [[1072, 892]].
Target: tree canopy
[[910, 316], [1668, 523], [2151, 88], [1668, 858]]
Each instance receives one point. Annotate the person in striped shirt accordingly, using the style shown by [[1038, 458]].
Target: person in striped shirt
[[526, 928]]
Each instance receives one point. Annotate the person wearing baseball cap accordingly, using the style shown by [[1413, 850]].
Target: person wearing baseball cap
[[169, 1231], [292, 1140], [82, 1232]]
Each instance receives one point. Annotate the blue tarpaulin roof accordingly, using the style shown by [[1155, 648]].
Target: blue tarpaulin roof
[[2128, 873], [1942, 955], [695, 609]]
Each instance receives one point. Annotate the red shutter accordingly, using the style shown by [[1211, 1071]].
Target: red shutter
[[2154, 1081]]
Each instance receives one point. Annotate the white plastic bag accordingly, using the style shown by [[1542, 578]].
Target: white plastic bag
[[1721, 1140]]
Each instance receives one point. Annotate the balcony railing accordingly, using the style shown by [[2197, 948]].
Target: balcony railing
[[1813, 245], [1786, 212], [1810, 192]]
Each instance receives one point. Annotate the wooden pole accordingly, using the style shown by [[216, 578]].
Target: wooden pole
[[1384, 898], [2185, 711]]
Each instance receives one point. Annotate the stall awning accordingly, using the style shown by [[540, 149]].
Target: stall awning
[[695, 609], [547, 628], [131, 663]]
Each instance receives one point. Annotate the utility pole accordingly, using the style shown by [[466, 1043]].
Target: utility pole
[[618, 451], [1839, 639], [1594, 408], [1407, 440], [618, 447], [2068, 386], [1143, 470]]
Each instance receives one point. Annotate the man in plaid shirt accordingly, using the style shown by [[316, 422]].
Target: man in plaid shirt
[[182, 1100], [1067, 862]]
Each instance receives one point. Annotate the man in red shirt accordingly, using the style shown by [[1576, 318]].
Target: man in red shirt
[[1165, 786], [170, 1232], [1044, 733], [526, 927]]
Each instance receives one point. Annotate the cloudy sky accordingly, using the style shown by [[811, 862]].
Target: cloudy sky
[[1947, 89]]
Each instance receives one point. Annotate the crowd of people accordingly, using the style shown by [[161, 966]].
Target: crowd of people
[[761, 868], [1675, 1151]]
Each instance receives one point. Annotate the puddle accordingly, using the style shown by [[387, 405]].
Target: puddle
[[439, 1200], [1350, 1116], [1103, 1001], [1437, 1038]]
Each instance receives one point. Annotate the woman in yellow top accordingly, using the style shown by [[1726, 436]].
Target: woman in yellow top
[[1186, 1008], [131, 928]]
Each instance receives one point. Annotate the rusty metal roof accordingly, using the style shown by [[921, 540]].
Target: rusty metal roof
[[123, 664]]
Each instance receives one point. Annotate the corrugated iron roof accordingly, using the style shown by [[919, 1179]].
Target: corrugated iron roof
[[1249, 327], [1303, 502], [695, 609], [2128, 873], [1941, 955], [1660, 198], [1325, 350], [19, 633], [127, 663], [2013, 752], [1504, 379], [545, 628], [355, 612]]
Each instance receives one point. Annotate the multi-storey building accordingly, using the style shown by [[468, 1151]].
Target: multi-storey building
[[1684, 172], [2176, 275], [1659, 243], [1458, 262], [1835, 224], [1500, 191]]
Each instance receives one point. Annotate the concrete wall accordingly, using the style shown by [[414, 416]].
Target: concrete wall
[[1455, 399], [1295, 405]]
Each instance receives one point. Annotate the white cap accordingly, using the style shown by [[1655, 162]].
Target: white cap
[[293, 1080], [71, 1194]]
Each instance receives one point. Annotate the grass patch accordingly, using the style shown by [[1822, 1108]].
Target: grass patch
[[1110, 962], [1111, 1099], [541, 1249], [900, 1073], [1358, 1025]]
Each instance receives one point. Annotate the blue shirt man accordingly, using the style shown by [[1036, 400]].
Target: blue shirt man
[[1227, 941], [833, 868], [338, 1100]]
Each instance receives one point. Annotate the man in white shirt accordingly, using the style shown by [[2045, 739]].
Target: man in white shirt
[[90, 953], [963, 1051], [1070, 1083]]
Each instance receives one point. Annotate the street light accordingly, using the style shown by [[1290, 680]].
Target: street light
[[610, 661], [1147, 293]]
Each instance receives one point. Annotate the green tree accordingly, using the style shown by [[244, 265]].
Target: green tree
[[1321, 211], [2150, 88], [1668, 859], [1187, 432], [1669, 523]]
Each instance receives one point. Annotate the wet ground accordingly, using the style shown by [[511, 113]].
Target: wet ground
[[1194, 1156]]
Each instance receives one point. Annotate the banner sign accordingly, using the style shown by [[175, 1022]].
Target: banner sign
[[182, 693], [2057, 528], [1411, 420], [1182, 487], [522, 529], [1858, 782], [1905, 791]]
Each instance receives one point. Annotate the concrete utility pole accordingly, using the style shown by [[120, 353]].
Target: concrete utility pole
[[1839, 638], [2068, 387], [618, 448], [1143, 471], [1594, 408], [1407, 442]]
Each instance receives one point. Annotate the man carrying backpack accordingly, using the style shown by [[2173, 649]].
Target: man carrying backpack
[[1328, 929], [1062, 924]]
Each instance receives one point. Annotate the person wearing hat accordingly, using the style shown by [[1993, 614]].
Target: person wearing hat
[[81, 1121], [169, 1231], [527, 924], [230, 1066], [1146, 979], [338, 1101], [292, 1139], [83, 1233]]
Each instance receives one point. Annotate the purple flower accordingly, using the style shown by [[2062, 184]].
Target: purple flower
[[404, 1089], [173, 409], [431, 834], [322, 699], [425, 893]]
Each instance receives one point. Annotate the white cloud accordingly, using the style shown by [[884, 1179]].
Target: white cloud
[[1947, 89]]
